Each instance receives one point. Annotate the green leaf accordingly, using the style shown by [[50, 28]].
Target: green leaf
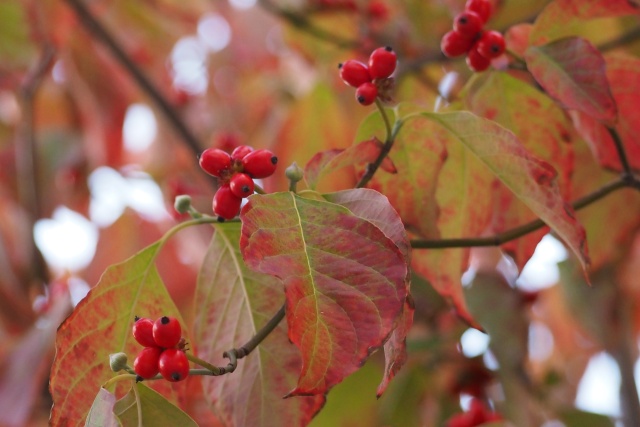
[[344, 281], [572, 71], [101, 412], [576, 418], [101, 325], [232, 304], [16, 48], [156, 410]]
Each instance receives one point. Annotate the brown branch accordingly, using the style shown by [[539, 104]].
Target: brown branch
[[622, 155], [524, 229], [101, 33]]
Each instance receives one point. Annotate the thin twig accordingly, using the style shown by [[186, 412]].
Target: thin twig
[[101, 33], [519, 231], [622, 155]]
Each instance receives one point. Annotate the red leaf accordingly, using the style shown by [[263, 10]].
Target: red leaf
[[344, 281], [232, 304], [101, 325], [327, 161], [561, 17], [572, 71]]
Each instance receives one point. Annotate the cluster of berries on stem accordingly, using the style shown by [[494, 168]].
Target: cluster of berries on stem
[[370, 80], [477, 414], [163, 350], [469, 36], [236, 172]]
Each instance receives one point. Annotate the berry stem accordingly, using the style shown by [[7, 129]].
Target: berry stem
[[258, 189], [118, 378], [385, 118]]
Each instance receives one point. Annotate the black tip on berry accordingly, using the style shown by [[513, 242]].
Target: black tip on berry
[[245, 188], [139, 379], [388, 48], [220, 219], [164, 320], [136, 318], [339, 65], [360, 99], [274, 160], [176, 376]]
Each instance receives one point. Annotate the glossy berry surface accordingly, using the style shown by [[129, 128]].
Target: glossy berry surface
[[491, 44], [167, 332], [366, 93], [477, 62], [214, 161], [482, 7], [240, 152], [143, 332], [173, 365], [455, 44], [260, 164], [241, 185], [354, 73], [225, 204], [146, 363], [382, 62], [468, 24]]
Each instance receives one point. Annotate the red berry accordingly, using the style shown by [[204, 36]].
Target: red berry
[[173, 365], [241, 185], [481, 7], [491, 44], [225, 204], [382, 63], [143, 332], [146, 363], [455, 44], [167, 332], [468, 23], [477, 62], [366, 93], [215, 161], [240, 151], [354, 73], [260, 164], [378, 10]]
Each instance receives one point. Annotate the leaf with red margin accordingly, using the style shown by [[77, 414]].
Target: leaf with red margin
[[375, 208], [232, 304], [561, 17], [544, 130], [572, 71], [532, 180], [327, 161], [344, 281], [100, 325]]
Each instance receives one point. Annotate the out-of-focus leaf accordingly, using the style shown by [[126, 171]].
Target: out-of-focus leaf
[[330, 160], [572, 71], [344, 281], [156, 411], [576, 418], [16, 49], [232, 304], [101, 412], [101, 325], [560, 17], [517, 38]]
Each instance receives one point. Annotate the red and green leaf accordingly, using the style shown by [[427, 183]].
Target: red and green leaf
[[101, 325], [155, 410], [344, 281], [232, 304], [572, 71]]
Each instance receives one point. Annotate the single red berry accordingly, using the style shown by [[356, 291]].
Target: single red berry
[[491, 44], [382, 62], [167, 332], [215, 161], [240, 151], [173, 365], [146, 363], [477, 62], [260, 164], [354, 73], [468, 23], [378, 10], [455, 44], [226, 204], [482, 7], [366, 93], [143, 332], [241, 185]]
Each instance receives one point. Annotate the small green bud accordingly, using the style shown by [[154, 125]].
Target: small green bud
[[117, 361], [182, 204], [294, 173]]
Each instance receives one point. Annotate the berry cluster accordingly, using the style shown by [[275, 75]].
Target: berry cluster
[[236, 172], [369, 80], [160, 353], [477, 414], [469, 36]]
